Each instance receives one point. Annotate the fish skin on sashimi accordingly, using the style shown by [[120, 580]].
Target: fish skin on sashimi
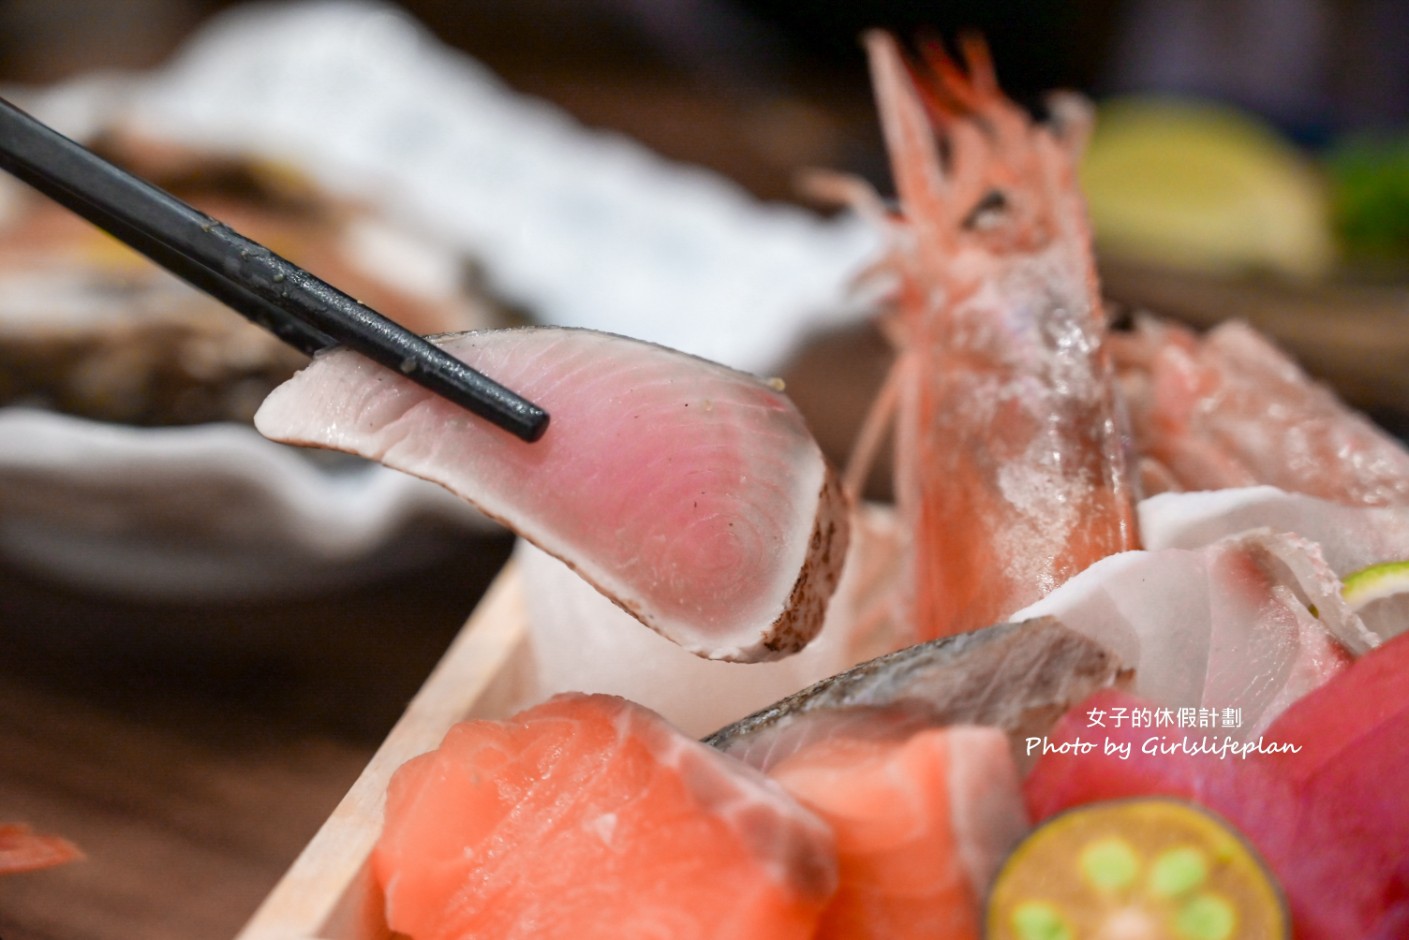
[[1018, 677], [921, 824], [588, 816], [1329, 817], [691, 494], [912, 758]]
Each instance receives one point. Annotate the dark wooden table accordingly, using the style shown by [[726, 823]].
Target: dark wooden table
[[191, 752]]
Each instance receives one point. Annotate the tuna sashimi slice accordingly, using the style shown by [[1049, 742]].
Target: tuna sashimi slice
[[691, 494], [1320, 794], [589, 816], [921, 825], [1248, 623]]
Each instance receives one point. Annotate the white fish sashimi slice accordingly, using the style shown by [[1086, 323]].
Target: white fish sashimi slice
[[1249, 623], [691, 494], [581, 642], [1350, 537]]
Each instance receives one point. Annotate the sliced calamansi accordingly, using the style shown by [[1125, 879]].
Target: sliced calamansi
[[1380, 595], [1375, 583], [1139, 869]]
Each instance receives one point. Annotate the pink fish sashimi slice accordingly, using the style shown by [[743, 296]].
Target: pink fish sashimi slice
[[589, 816], [1226, 626], [1229, 409], [921, 825], [692, 495], [1321, 797]]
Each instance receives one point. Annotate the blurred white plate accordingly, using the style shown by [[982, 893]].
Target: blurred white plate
[[211, 511], [582, 228]]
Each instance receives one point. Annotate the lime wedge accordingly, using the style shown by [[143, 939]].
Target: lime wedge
[[1205, 187], [1375, 583]]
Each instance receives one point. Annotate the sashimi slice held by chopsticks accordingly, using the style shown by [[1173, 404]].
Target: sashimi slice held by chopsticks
[[691, 494]]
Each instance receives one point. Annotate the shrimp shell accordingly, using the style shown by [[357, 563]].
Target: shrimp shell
[[1011, 467]]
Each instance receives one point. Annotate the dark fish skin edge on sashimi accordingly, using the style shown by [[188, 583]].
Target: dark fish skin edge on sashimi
[[1020, 677], [798, 624]]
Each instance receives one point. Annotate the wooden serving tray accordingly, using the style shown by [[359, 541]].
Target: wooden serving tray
[[328, 893]]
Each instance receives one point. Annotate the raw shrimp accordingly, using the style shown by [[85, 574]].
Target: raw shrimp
[[1230, 409], [1011, 471]]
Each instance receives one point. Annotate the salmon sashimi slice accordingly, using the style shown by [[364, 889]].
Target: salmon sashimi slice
[[24, 849], [691, 494], [1230, 409], [912, 758], [589, 816], [1318, 793], [921, 825], [1011, 471], [1248, 623]]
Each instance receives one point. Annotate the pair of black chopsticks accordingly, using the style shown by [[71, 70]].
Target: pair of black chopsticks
[[295, 306]]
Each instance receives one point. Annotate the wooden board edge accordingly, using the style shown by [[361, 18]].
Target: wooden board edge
[[321, 886]]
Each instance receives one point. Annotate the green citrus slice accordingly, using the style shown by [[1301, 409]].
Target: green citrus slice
[[1375, 583], [1140, 869], [1197, 185]]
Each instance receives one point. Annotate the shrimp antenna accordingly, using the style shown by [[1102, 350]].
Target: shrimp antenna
[[948, 78], [982, 76]]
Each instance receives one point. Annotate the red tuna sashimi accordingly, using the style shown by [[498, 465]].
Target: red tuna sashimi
[[1011, 473], [589, 816], [921, 825], [1321, 798], [23, 849], [692, 495], [1230, 409], [1229, 625]]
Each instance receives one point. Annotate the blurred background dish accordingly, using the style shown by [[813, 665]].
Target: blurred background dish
[[633, 167], [417, 182]]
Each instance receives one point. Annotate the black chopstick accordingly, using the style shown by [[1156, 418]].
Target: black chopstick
[[300, 309]]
